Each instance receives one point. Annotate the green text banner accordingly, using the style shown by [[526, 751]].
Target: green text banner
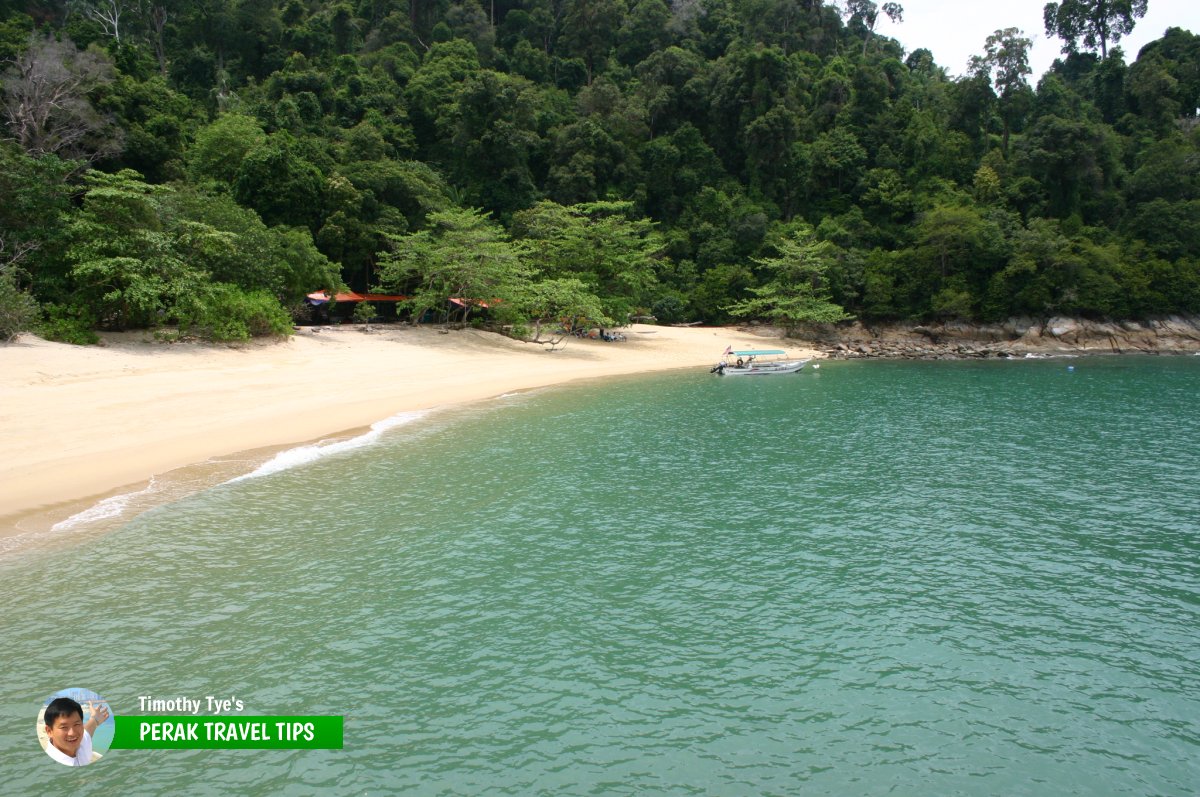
[[227, 733]]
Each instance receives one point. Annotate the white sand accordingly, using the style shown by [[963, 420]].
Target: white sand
[[77, 422]]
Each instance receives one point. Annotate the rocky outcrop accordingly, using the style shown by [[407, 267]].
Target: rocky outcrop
[[1016, 337]]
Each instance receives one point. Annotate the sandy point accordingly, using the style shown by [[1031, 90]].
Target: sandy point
[[80, 421]]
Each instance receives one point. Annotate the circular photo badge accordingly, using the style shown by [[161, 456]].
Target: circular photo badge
[[75, 727]]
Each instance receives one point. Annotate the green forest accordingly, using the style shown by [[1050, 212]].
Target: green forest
[[202, 166]]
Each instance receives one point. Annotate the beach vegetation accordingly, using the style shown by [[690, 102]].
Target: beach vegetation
[[460, 263], [364, 314], [795, 289], [605, 246], [226, 313], [698, 161], [559, 301], [18, 309], [68, 323]]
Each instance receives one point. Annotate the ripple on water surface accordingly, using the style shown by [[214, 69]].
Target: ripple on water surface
[[971, 578]]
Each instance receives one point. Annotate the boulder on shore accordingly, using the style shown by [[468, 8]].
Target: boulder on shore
[[1015, 337]]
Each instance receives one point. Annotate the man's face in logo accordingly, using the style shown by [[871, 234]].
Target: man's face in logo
[[66, 733]]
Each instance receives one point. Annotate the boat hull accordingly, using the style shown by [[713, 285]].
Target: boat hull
[[765, 369]]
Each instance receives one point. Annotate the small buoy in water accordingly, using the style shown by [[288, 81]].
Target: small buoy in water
[[1070, 368], [816, 366]]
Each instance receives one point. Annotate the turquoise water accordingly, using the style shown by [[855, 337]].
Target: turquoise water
[[946, 578]]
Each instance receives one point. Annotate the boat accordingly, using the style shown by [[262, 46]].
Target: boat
[[747, 363]]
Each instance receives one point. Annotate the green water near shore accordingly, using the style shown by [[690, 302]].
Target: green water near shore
[[965, 577]]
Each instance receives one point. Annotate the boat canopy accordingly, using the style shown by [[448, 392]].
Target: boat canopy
[[757, 352]]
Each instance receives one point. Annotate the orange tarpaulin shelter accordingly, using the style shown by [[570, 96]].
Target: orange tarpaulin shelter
[[321, 297], [457, 302]]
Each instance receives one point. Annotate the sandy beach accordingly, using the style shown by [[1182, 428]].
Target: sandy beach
[[80, 422]]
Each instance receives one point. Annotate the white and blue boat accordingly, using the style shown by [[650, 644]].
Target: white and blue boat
[[748, 363]]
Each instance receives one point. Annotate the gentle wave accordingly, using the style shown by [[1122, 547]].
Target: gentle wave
[[303, 455], [110, 507]]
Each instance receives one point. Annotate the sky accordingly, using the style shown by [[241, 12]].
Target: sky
[[955, 30]]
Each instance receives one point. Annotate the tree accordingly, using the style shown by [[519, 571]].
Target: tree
[[220, 147], [562, 299], [586, 159], [278, 182], [957, 239], [124, 268], [590, 28], [156, 15], [1005, 60], [493, 129], [463, 255], [837, 159], [1151, 89], [36, 198], [676, 167], [796, 291], [1075, 161], [600, 243], [232, 245], [866, 12], [106, 13], [18, 310], [46, 101], [432, 90], [644, 31], [1095, 22]]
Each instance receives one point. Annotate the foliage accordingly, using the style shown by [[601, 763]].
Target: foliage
[[463, 256], [564, 299], [598, 243], [142, 255], [364, 313], [18, 309], [796, 290], [122, 264], [598, 157], [220, 147], [225, 313], [1094, 22], [68, 323], [46, 103]]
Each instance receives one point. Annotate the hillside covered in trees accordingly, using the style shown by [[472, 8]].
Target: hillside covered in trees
[[208, 163]]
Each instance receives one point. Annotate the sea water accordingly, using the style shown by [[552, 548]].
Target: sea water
[[875, 577]]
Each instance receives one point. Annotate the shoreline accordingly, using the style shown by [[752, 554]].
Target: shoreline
[[1014, 338], [117, 429], [87, 424]]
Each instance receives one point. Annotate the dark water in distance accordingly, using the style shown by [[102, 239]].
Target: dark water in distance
[[879, 577]]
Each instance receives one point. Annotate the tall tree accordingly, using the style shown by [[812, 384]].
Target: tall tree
[[124, 268], [1095, 22], [1005, 60], [866, 12], [36, 200], [796, 290], [590, 30], [46, 105], [277, 181], [107, 14], [600, 243], [463, 255]]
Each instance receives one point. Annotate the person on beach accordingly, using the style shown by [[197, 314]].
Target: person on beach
[[70, 737]]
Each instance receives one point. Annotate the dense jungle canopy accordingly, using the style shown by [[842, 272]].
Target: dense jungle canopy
[[208, 163]]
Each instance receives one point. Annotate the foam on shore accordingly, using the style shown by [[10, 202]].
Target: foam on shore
[[110, 507], [303, 455]]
